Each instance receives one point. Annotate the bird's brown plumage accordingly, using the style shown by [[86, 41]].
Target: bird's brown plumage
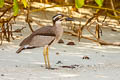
[[44, 31], [39, 38]]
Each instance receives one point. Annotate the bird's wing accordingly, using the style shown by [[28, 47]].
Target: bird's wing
[[44, 31], [41, 41]]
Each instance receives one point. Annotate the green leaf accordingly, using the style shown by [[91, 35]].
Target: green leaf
[[25, 3], [15, 7], [99, 2], [1, 3], [79, 3]]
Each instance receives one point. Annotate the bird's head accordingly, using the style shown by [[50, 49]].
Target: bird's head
[[61, 17]]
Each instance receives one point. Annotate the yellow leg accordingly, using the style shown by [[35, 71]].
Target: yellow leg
[[48, 57], [44, 54]]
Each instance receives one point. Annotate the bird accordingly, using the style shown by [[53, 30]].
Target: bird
[[45, 37]]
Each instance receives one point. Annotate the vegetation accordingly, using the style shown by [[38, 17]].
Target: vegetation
[[18, 7]]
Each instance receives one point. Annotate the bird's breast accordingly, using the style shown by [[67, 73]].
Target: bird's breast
[[59, 33]]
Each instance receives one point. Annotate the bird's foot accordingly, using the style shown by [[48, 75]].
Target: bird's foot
[[48, 67]]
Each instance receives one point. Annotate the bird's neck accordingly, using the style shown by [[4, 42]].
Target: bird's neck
[[57, 23], [59, 29]]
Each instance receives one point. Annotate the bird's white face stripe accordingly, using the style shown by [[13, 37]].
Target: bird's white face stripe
[[60, 19], [56, 17]]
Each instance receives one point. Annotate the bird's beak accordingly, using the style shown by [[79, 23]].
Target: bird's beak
[[69, 19]]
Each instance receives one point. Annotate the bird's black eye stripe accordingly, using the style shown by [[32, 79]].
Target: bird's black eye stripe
[[57, 19], [58, 16]]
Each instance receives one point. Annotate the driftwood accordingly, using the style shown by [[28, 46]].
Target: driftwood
[[15, 31], [95, 35], [89, 38], [6, 25]]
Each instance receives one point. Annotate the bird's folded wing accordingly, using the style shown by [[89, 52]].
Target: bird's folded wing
[[41, 41], [44, 31]]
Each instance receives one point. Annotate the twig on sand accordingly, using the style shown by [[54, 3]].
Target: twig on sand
[[89, 38]]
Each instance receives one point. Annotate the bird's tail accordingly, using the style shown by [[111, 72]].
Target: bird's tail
[[20, 49]]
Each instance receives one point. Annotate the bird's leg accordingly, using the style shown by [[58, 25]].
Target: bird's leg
[[48, 57], [44, 54]]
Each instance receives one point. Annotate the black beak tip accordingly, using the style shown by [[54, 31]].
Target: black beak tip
[[69, 19]]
